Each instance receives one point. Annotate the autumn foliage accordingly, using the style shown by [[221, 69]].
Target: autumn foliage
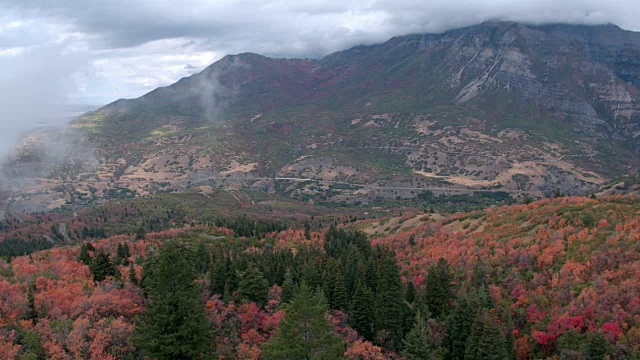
[[563, 269]]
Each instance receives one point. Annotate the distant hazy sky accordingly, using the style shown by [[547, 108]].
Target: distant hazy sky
[[97, 51]]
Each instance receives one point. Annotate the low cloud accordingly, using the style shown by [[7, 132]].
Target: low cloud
[[34, 109], [34, 90]]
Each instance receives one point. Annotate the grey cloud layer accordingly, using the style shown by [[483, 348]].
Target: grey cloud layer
[[139, 45], [306, 28]]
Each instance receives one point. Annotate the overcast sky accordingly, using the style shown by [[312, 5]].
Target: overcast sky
[[85, 51]]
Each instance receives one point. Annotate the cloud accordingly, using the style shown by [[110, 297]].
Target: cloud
[[139, 45], [34, 87]]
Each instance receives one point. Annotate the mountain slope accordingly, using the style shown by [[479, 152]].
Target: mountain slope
[[587, 73], [525, 109]]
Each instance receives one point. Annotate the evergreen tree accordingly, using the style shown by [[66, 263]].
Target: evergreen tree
[[253, 286], [218, 275], [486, 341], [362, 315], [288, 288], [389, 300], [31, 346], [141, 233], [148, 267], [310, 274], [458, 329], [101, 267], [232, 280], [125, 255], [492, 343], [320, 297], [471, 347], [119, 254], [84, 256], [329, 281], [174, 324], [409, 312], [202, 258], [32, 313], [132, 275], [597, 347], [127, 251], [371, 275], [439, 292], [417, 344], [304, 333], [354, 260], [410, 293], [307, 231], [340, 298]]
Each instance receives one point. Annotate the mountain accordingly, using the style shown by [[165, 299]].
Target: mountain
[[498, 106]]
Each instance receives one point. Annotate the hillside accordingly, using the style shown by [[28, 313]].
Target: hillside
[[518, 108], [556, 272]]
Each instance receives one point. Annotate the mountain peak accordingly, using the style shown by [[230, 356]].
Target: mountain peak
[[527, 109]]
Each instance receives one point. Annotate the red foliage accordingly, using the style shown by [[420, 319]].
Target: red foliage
[[611, 331], [364, 350], [546, 340]]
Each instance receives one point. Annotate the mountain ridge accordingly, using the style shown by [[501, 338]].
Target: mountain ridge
[[496, 106]]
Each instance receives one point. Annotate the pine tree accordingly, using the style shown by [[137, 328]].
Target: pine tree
[[32, 313], [304, 333], [486, 341], [174, 324], [101, 267], [473, 342], [362, 316], [141, 233], [218, 275], [201, 258], [458, 328], [410, 293], [417, 344], [354, 260], [307, 231], [597, 347], [310, 274], [340, 298], [389, 300], [439, 292], [125, 254], [492, 343], [329, 281], [84, 256], [148, 267], [132, 275], [320, 297], [253, 286], [31, 346], [288, 288], [127, 251], [232, 280], [371, 275], [119, 254]]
